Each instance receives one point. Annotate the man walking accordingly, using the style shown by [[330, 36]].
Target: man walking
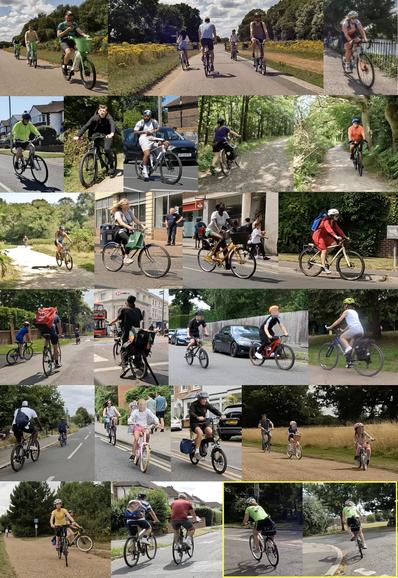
[[161, 405]]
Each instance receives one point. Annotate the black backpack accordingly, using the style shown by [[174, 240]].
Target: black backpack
[[21, 419]]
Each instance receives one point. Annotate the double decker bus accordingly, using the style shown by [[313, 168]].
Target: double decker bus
[[100, 323]]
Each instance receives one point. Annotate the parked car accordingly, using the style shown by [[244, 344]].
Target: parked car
[[171, 333], [231, 425], [180, 337], [184, 148], [235, 339], [176, 424]]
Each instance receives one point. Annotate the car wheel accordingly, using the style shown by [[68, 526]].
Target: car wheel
[[234, 349], [213, 346]]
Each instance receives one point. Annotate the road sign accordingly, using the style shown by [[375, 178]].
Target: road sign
[[392, 231]]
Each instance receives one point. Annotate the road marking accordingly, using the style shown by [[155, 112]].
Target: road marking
[[130, 189], [98, 358], [74, 451], [208, 467], [4, 187], [192, 269], [50, 479], [100, 369], [87, 436]]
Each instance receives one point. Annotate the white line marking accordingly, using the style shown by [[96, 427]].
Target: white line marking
[[74, 451], [4, 187], [130, 189], [98, 369], [98, 358], [87, 436], [154, 461]]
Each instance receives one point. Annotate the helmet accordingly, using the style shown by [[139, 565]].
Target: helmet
[[359, 424], [221, 120], [202, 395], [182, 496], [352, 14], [251, 500], [293, 423], [355, 119], [199, 312], [62, 228], [147, 112], [349, 301], [26, 116], [257, 15], [141, 496], [25, 404], [332, 212], [348, 503], [135, 501], [26, 323], [57, 501]]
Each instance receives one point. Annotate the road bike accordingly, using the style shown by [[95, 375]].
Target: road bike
[[34, 162], [83, 542], [217, 455], [14, 354], [206, 59], [64, 256], [294, 450], [365, 357], [62, 439], [63, 545], [152, 259], [265, 440], [350, 265], [143, 453], [183, 59], [23, 450], [168, 163], [135, 546], [48, 360], [267, 545], [277, 350], [81, 62], [111, 430], [197, 351], [234, 51], [358, 156], [184, 545], [258, 60], [32, 54], [362, 63], [238, 257], [94, 159], [355, 530]]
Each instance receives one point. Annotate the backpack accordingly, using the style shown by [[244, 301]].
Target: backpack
[[186, 446], [45, 317], [21, 419], [362, 349], [317, 221], [201, 231]]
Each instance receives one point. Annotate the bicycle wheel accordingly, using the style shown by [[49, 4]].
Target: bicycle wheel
[[17, 457], [203, 358], [18, 169], [65, 549], [112, 436], [189, 357], [59, 259], [116, 350], [170, 168], [218, 460], [271, 551], [299, 452], [28, 352], [34, 451], [328, 356], [138, 366], [365, 70], [68, 261], [253, 357], [373, 364], [205, 261], [310, 263], [154, 261], [88, 73], [145, 457], [39, 169], [112, 256], [353, 269], [47, 362], [225, 163], [285, 357], [359, 544], [12, 356], [257, 555], [84, 543], [138, 168], [243, 264], [360, 164], [131, 552], [88, 169], [152, 547], [177, 552], [114, 160], [190, 546]]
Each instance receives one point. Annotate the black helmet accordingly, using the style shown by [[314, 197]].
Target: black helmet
[[26, 116], [199, 312], [221, 120]]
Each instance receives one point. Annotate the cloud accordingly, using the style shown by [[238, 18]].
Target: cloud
[[19, 12]]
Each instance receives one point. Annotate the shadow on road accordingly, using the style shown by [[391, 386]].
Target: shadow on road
[[253, 569], [126, 570], [32, 185]]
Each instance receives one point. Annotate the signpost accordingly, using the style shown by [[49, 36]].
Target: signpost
[[36, 523], [392, 233]]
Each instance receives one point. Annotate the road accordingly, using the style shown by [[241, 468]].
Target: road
[[337, 174], [265, 168], [238, 560], [229, 79], [40, 271], [74, 462], [187, 184], [206, 560], [226, 370], [41, 558], [107, 371], [77, 367], [45, 80], [258, 465], [183, 469], [25, 183], [340, 376], [338, 83], [335, 555]]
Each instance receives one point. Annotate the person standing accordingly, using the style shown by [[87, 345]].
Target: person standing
[[151, 403], [161, 405], [171, 221]]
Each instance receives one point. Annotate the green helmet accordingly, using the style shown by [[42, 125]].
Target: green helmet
[[349, 301]]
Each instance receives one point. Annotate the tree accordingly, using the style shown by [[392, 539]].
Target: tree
[[30, 500], [316, 519], [359, 402], [102, 394]]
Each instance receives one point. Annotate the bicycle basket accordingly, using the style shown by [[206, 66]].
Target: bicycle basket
[[186, 446], [239, 238], [136, 240], [83, 44], [362, 349], [269, 528]]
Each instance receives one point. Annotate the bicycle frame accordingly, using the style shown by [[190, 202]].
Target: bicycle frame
[[341, 249]]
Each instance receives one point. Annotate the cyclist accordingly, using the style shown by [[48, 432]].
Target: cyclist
[[352, 33], [327, 234], [267, 334], [25, 240], [353, 330], [124, 219], [183, 44], [292, 432], [258, 33], [130, 318], [102, 125], [194, 329], [22, 336], [110, 414], [219, 219], [233, 41], [356, 135], [181, 510], [67, 31], [171, 221], [63, 428], [141, 419], [220, 142], [260, 518], [23, 422], [51, 333], [362, 439], [266, 426], [16, 44], [60, 519], [200, 425], [352, 518], [30, 36], [208, 37], [145, 128], [77, 335], [59, 239], [135, 515], [21, 132]]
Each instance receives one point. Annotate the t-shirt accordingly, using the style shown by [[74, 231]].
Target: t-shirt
[[356, 133], [257, 29], [64, 25], [151, 404], [161, 403], [255, 237], [125, 217], [217, 221], [143, 418], [352, 319], [21, 334], [31, 36], [351, 27], [193, 327], [130, 317], [266, 424], [207, 30], [256, 513], [221, 134], [144, 125], [269, 323], [180, 509], [110, 411], [27, 411], [59, 517], [172, 219], [22, 132], [183, 43], [233, 39], [351, 512]]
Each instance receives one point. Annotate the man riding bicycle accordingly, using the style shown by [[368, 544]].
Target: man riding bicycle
[[60, 519], [30, 36], [146, 128], [199, 424], [135, 515], [267, 334], [194, 329], [266, 426], [233, 41], [67, 31], [49, 325], [215, 230], [260, 518], [102, 125], [220, 142], [141, 419], [59, 239], [208, 37], [110, 415], [356, 135], [352, 33], [63, 428], [258, 34], [21, 132], [23, 422], [130, 318], [181, 511], [23, 336], [353, 330], [352, 518]]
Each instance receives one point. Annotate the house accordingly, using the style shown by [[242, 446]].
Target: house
[[184, 395], [182, 113], [5, 129], [51, 114]]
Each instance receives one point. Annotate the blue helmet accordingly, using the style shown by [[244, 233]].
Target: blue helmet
[[356, 119]]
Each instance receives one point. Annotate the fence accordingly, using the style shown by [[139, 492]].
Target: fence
[[384, 53]]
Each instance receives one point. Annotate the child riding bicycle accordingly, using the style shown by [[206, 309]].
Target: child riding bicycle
[[353, 330], [267, 334], [194, 327], [293, 435], [23, 336], [141, 419], [362, 439]]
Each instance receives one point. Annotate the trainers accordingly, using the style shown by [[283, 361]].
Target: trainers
[[57, 365], [127, 260], [326, 270], [197, 453], [364, 546], [258, 355], [352, 539], [212, 68]]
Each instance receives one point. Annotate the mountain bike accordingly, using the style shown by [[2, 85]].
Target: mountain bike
[[34, 162], [282, 354], [62, 439], [258, 60], [358, 157], [83, 542], [238, 259], [217, 455], [63, 545], [294, 449], [265, 440], [153, 260], [350, 265], [206, 61], [137, 545], [229, 162], [111, 430], [48, 360], [32, 55], [362, 63], [184, 545], [14, 354], [64, 256], [81, 61], [197, 351], [183, 59], [168, 163], [266, 543], [23, 450], [94, 159], [143, 452]]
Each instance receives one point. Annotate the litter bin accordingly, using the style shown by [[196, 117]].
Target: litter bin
[[106, 234]]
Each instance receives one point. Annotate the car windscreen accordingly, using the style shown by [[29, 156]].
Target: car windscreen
[[248, 332], [170, 134]]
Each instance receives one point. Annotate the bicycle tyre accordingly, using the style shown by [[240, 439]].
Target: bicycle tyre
[[47, 362], [190, 550], [177, 552], [17, 460], [363, 369], [328, 349], [88, 74], [68, 261], [135, 553], [256, 555], [88, 163], [203, 358], [281, 351], [172, 158], [218, 461], [224, 163], [206, 265], [112, 256], [112, 436], [365, 58], [194, 459], [360, 164], [34, 455], [344, 275], [59, 260], [144, 459], [116, 351], [189, 356], [40, 161], [20, 169], [273, 558], [138, 367], [12, 356], [146, 253], [242, 253], [253, 358], [151, 553], [299, 453], [306, 267], [28, 352], [84, 543], [65, 551]]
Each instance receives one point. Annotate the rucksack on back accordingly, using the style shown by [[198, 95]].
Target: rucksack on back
[[21, 419], [317, 221], [45, 317]]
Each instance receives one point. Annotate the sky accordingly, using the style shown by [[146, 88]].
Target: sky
[[209, 491], [88, 297], [7, 487], [21, 103], [75, 396], [29, 197]]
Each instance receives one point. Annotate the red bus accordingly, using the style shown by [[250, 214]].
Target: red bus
[[99, 320]]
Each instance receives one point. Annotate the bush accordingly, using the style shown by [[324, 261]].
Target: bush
[[315, 516], [18, 316], [371, 518], [157, 499], [206, 513]]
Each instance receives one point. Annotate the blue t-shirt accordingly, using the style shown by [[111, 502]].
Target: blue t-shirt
[[160, 403], [21, 334], [221, 133]]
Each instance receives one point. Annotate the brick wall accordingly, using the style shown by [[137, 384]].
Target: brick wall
[[386, 248]]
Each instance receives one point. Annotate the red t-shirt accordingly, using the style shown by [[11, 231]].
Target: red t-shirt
[[180, 509]]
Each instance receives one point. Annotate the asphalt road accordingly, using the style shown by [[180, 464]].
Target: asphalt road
[[74, 462], [226, 370], [25, 183], [206, 560], [238, 560], [335, 555], [230, 78], [77, 367], [187, 184], [107, 372], [349, 377], [183, 469]]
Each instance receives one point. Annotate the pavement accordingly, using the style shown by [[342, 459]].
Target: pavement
[[25, 183], [343, 376], [187, 184]]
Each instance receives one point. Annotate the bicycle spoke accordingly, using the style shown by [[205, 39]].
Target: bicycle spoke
[[154, 261]]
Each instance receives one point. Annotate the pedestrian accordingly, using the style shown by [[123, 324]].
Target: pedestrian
[[151, 403], [247, 226], [199, 231], [171, 221], [161, 405]]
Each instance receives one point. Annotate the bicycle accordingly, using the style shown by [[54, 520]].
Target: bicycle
[[363, 64], [117, 345], [83, 542], [184, 545], [138, 353], [95, 158], [153, 260], [207, 65], [62, 439], [32, 55], [267, 544], [217, 455], [34, 162], [265, 441], [350, 265], [234, 51], [17, 51], [64, 257], [183, 59], [258, 60], [363, 458], [87, 70], [358, 157], [238, 259], [366, 357], [227, 163], [134, 547], [111, 430], [295, 449], [48, 360], [355, 530], [63, 545], [168, 163], [197, 351], [282, 354], [143, 452], [23, 450], [14, 354]]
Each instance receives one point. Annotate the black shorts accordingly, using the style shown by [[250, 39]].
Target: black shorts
[[60, 530], [160, 414], [209, 42], [19, 144], [354, 524], [140, 523], [67, 43], [202, 424], [266, 526], [18, 432], [51, 335], [187, 524]]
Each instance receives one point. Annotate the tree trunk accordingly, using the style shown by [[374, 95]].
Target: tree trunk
[[200, 120]]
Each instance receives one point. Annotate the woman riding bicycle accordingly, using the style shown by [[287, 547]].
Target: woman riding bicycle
[[352, 518], [183, 44], [59, 239], [141, 419], [362, 439], [199, 424], [260, 518], [220, 142], [353, 329], [110, 414], [125, 220], [352, 33], [218, 221], [326, 235]]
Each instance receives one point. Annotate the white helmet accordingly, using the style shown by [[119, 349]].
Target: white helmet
[[352, 14], [333, 212], [57, 501], [348, 503], [251, 500], [25, 404]]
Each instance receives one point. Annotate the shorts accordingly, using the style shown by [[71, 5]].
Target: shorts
[[160, 414], [19, 144], [67, 43], [145, 143], [140, 523], [138, 428], [259, 38], [56, 243], [176, 524], [354, 524], [20, 341], [209, 42], [352, 332], [60, 530], [263, 525], [18, 432], [54, 339], [203, 425], [218, 146]]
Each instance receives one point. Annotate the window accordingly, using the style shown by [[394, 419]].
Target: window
[[163, 202]]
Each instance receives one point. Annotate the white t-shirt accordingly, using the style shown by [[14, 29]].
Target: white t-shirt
[[127, 218], [183, 43], [233, 38], [142, 418], [27, 411], [255, 236], [145, 125], [352, 319], [207, 30], [217, 221], [110, 411]]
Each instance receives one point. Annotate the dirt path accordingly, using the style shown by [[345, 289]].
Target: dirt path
[[36, 558], [277, 466], [338, 174], [266, 168]]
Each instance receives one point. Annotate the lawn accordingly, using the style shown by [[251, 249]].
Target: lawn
[[46, 155], [72, 181], [37, 345], [372, 263], [6, 568]]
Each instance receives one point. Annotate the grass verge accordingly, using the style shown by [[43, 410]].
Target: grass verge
[[37, 345], [72, 181], [144, 75], [5, 565], [45, 155], [83, 259], [372, 263]]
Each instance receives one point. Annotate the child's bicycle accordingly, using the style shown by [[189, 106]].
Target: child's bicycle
[[143, 453], [294, 449], [86, 67], [83, 542]]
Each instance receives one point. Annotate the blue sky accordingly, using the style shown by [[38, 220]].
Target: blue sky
[[21, 103]]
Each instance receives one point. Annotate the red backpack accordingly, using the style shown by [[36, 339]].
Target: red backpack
[[45, 317]]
